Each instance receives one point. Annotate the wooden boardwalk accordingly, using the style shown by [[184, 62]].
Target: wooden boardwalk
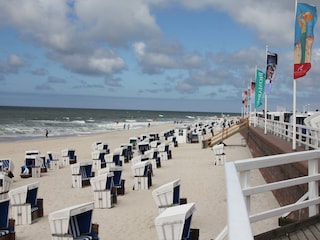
[[308, 229]]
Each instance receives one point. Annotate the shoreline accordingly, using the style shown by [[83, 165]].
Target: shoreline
[[133, 215]]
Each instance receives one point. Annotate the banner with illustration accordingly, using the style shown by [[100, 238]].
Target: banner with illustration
[[259, 86], [305, 20], [272, 61]]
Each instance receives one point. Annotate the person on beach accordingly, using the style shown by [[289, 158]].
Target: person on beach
[[8, 172], [47, 133]]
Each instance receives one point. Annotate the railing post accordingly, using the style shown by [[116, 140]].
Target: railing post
[[313, 187], [245, 182]]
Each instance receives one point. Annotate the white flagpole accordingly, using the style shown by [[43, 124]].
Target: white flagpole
[[265, 100], [254, 102], [294, 99]]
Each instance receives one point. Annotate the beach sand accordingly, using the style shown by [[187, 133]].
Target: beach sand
[[133, 216]]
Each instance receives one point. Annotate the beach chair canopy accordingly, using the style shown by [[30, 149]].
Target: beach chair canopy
[[167, 194], [102, 182], [141, 168], [75, 220], [175, 222], [84, 168], [25, 194]]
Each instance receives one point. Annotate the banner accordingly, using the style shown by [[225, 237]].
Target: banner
[[253, 92], [260, 82], [305, 19], [272, 61], [245, 98]]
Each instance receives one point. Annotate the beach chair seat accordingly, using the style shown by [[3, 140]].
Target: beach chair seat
[[220, 156], [25, 206]]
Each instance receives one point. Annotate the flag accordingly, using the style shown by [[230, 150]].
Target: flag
[[245, 98], [272, 61], [253, 91], [260, 82], [305, 19]]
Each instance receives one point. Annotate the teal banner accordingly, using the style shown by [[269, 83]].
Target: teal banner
[[260, 83]]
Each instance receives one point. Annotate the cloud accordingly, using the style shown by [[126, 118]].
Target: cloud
[[12, 65], [39, 72], [53, 79]]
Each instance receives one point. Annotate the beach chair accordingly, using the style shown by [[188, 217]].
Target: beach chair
[[6, 163], [220, 156], [108, 158], [98, 160], [164, 151], [81, 174], [142, 173], [32, 165], [25, 206], [153, 156], [167, 195], [100, 146], [143, 146], [118, 182], [174, 223], [102, 186], [133, 141], [74, 223], [128, 152], [53, 161], [7, 231], [68, 157], [5, 183]]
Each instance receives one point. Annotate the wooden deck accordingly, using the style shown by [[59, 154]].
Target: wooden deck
[[307, 230]]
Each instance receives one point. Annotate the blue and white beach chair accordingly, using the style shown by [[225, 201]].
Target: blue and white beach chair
[[7, 231], [102, 186], [81, 174], [167, 195], [5, 183], [68, 156], [174, 223], [142, 173], [119, 183], [25, 205], [74, 223]]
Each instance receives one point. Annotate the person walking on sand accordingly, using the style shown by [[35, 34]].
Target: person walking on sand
[[47, 133]]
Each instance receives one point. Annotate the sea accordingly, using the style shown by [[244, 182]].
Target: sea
[[20, 123]]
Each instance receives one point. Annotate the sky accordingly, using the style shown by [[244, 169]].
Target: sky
[[175, 55]]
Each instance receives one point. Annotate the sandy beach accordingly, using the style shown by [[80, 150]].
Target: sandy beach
[[133, 216]]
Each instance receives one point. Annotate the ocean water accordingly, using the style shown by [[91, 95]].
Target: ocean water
[[18, 123]]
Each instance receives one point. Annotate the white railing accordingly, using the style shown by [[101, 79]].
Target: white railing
[[240, 191], [307, 137]]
